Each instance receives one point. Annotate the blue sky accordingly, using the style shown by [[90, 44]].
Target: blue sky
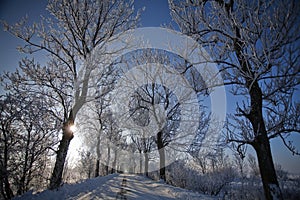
[[156, 14]]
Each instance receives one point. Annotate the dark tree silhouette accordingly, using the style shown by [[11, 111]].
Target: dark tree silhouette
[[256, 45]]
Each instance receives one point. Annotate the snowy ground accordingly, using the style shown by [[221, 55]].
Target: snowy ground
[[117, 186]]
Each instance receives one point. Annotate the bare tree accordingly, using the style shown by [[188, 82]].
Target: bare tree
[[8, 114], [138, 144], [25, 141], [93, 119], [100, 132], [202, 161], [100, 113], [144, 145], [160, 101], [37, 136], [74, 31], [256, 45], [112, 140], [147, 98], [87, 163]]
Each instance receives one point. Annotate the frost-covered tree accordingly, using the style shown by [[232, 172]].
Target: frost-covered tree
[[26, 141], [161, 99], [93, 119], [87, 163], [8, 114], [256, 46], [98, 125], [68, 37], [149, 99], [144, 145]]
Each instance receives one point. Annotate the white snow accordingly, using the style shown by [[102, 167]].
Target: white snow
[[275, 191], [116, 186]]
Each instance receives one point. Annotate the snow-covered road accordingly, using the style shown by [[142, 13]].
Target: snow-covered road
[[117, 186]]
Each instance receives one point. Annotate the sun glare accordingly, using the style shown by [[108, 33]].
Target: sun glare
[[73, 153], [73, 128]]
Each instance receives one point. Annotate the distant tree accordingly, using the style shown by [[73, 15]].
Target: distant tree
[[181, 174], [138, 144], [178, 174], [202, 161], [156, 101], [240, 164], [112, 137], [92, 125], [254, 170], [144, 145], [87, 163], [74, 30], [256, 46], [119, 143], [281, 173], [213, 182], [93, 117], [100, 113], [217, 160]]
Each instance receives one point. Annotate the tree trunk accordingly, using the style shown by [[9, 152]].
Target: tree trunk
[[146, 163], [97, 168], [108, 159], [5, 185], [114, 165], [134, 163], [62, 152], [130, 167], [162, 170], [89, 173], [261, 143], [267, 169], [21, 186], [8, 191], [141, 162], [161, 151]]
